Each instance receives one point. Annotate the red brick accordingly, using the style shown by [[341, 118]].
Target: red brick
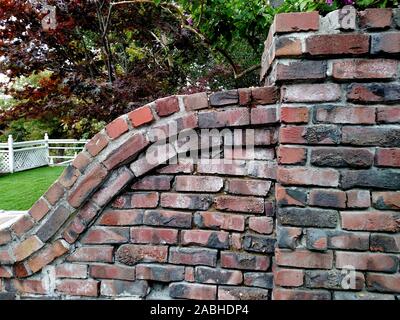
[[87, 185], [387, 157], [242, 293], [218, 276], [263, 115], [365, 69], [69, 177], [116, 128], [236, 241], [118, 288], [386, 200], [130, 254], [292, 134], [198, 183], [47, 255], [217, 220], [227, 118], [86, 288], [189, 274], [352, 115], [103, 235], [338, 239], [295, 22], [304, 259], [212, 239], [289, 277], [290, 196], [167, 106], [373, 92], [39, 210], [244, 261], [224, 98], [388, 114], [358, 199], [186, 201], [292, 155], [168, 218], [121, 217], [105, 271], [73, 230], [240, 204], [126, 151], [137, 200], [371, 221], [21, 270], [71, 270], [5, 272], [294, 114], [27, 247], [163, 273], [192, 291], [81, 161], [249, 187], [5, 257], [193, 256], [153, 183], [264, 95], [308, 176], [5, 236], [264, 225], [375, 18], [297, 294], [337, 44], [217, 166], [154, 235], [318, 92], [29, 286], [141, 116], [196, 101], [327, 198], [287, 47], [22, 225], [244, 96], [300, 70], [97, 144], [383, 282], [54, 193], [367, 261], [92, 254]]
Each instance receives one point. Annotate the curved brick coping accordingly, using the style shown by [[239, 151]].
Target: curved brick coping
[[63, 213]]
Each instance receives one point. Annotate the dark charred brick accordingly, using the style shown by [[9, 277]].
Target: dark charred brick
[[224, 98], [259, 244], [380, 179], [218, 276], [259, 279], [316, 239], [288, 237], [374, 92], [332, 279], [307, 217], [301, 70], [321, 134], [366, 136], [342, 157], [242, 293], [338, 239], [55, 221], [385, 242]]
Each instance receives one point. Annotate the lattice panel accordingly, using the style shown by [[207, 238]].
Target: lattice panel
[[4, 162], [28, 159]]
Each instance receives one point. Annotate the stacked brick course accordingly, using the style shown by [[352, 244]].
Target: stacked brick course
[[319, 195]]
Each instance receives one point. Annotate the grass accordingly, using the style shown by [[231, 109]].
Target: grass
[[19, 191]]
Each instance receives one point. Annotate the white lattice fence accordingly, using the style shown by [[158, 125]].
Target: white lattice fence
[[4, 161]]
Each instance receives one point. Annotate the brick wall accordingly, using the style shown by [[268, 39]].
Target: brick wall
[[315, 205]]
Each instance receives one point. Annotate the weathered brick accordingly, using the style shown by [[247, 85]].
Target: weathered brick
[[290, 196], [196, 101], [167, 218], [81, 161], [385, 242], [287, 47], [192, 291], [244, 261], [317, 134], [173, 127], [301, 70], [383, 282], [239, 204], [163, 273], [92, 254], [218, 276], [236, 168], [381, 179], [54, 193], [262, 169], [228, 118], [304, 259], [316, 239], [112, 217], [73, 287], [116, 128], [5, 272], [87, 185], [186, 201], [248, 187], [308, 217], [154, 235], [388, 114], [333, 279], [71, 270], [5, 236], [258, 279], [47, 255], [375, 18], [106, 235], [365, 69], [364, 136], [387, 157], [27, 247], [358, 199], [256, 243], [367, 261], [131, 254], [263, 225], [374, 92], [114, 288], [97, 144], [193, 256], [295, 22], [327, 198], [388, 42], [308, 176], [22, 225], [39, 210], [156, 183], [288, 237], [263, 115], [167, 106], [337, 44], [244, 96], [29, 286], [218, 220], [189, 274], [371, 220], [311, 92], [386, 200], [180, 167], [342, 157], [129, 149], [242, 293], [291, 155], [224, 98], [291, 114], [212, 239], [288, 277], [136, 200], [105, 271], [264, 95], [69, 177], [198, 183], [352, 115], [338, 239], [298, 294], [141, 116]]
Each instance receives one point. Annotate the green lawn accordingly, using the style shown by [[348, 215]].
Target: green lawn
[[19, 191]]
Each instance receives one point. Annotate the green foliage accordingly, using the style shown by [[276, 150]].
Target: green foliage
[[31, 129]]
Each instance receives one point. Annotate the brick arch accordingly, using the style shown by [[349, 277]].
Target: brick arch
[[112, 201]]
